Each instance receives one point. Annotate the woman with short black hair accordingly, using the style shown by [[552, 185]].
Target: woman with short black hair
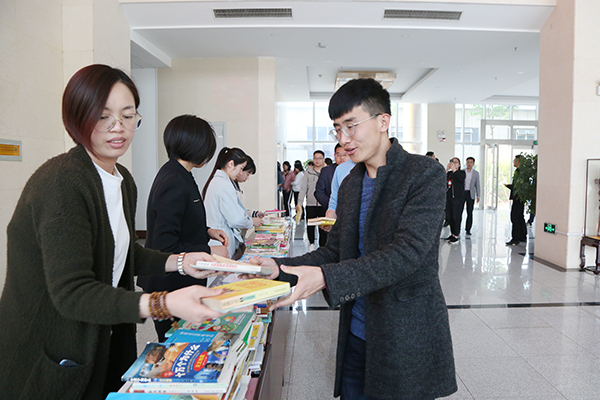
[[175, 216]]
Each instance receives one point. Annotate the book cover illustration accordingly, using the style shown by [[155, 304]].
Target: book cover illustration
[[200, 361], [234, 322], [244, 292]]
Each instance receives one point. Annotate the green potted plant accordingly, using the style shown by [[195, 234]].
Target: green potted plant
[[525, 182]]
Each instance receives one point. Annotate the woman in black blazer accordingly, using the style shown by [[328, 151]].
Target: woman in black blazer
[[176, 218]]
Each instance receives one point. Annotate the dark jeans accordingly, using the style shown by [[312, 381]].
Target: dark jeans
[[470, 204], [519, 228], [353, 370], [314, 212], [454, 212]]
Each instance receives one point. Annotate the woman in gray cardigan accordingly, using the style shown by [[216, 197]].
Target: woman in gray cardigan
[[69, 293]]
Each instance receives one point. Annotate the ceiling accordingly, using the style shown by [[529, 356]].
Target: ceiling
[[491, 54]]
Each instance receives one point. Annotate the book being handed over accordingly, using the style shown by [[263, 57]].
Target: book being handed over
[[227, 265], [251, 291]]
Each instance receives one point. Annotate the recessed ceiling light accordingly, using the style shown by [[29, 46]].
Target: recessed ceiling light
[[520, 73], [405, 36], [328, 61]]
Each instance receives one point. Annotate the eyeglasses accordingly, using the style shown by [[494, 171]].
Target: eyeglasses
[[349, 129], [131, 122]]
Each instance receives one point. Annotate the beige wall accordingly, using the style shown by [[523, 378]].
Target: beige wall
[[441, 117], [237, 91], [42, 43], [568, 126]]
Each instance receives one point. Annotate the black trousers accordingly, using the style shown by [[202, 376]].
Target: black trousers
[[314, 212], [470, 204], [454, 209], [286, 201], [519, 228]]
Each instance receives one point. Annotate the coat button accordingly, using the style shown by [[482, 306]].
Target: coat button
[[347, 297], [342, 299], [353, 296]]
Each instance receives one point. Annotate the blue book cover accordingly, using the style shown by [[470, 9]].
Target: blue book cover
[[198, 361]]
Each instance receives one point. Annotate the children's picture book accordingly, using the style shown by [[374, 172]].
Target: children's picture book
[[156, 396], [321, 221], [200, 361], [233, 322], [178, 387], [245, 292]]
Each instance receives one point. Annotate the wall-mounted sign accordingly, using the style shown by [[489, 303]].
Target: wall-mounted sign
[[550, 228], [10, 150]]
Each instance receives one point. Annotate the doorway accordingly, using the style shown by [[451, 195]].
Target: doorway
[[502, 141]]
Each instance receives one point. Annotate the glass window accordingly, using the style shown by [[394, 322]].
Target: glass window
[[499, 132], [327, 148], [298, 121], [497, 111], [299, 151], [323, 124], [525, 132], [525, 113], [473, 114], [458, 123]]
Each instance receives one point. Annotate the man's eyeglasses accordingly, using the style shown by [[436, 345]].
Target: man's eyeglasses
[[131, 122], [349, 129]]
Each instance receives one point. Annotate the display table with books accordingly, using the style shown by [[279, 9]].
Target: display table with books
[[238, 356]]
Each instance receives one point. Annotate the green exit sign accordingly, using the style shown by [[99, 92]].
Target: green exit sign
[[550, 228]]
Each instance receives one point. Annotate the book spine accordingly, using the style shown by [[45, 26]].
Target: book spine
[[246, 298]]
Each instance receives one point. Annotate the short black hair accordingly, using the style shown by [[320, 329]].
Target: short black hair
[[518, 156], [319, 151], [298, 164], [366, 92], [471, 158], [250, 166], [190, 138], [429, 153], [337, 146]]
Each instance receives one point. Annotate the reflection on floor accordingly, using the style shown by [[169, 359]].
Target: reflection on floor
[[521, 330]]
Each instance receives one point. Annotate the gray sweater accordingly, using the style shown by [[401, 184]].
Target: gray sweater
[[409, 348]]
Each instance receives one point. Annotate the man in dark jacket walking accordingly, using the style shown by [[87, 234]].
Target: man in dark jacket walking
[[380, 264]]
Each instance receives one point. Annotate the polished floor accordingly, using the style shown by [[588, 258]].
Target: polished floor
[[520, 330]]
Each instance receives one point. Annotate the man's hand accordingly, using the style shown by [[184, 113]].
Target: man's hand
[[257, 221], [310, 281], [478, 199], [219, 235]]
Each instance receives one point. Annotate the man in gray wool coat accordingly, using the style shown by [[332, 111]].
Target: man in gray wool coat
[[380, 263]]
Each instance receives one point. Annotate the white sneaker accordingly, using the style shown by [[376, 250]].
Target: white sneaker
[[311, 247]]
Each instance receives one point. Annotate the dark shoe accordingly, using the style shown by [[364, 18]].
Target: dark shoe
[[453, 240], [468, 233], [448, 238], [512, 243]]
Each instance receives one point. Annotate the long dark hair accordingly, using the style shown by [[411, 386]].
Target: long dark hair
[[225, 155], [85, 97]]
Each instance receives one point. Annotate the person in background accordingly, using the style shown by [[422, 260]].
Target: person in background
[[455, 198], [519, 228], [307, 191], [175, 216], [224, 210], [328, 161], [72, 256], [430, 154], [288, 176], [249, 169], [280, 182], [297, 183], [380, 264], [471, 191], [324, 184]]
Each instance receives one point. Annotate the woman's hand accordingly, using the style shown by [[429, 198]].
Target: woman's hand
[[257, 221], [219, 235], [186, 303], [260, 214], [190, 259], [219, 251], [263, 262]]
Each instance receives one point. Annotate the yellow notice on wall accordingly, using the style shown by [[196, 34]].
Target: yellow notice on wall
[[10, 150]]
